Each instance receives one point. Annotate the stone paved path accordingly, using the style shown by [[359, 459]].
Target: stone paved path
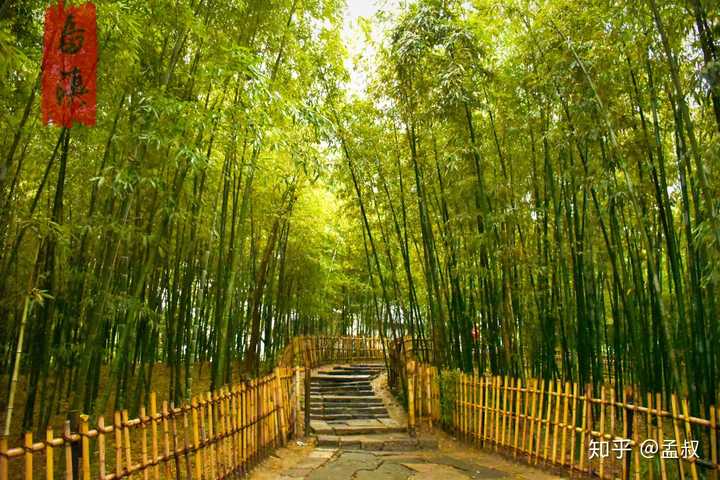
[[453, 461], [387, 466], [348, 446]]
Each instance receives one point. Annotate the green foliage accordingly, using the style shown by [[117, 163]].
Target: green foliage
[[525, 188], [192, 223], [560, 188]]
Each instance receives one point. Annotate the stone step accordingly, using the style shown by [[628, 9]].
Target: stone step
[[348, 407], [344, 412], [364, 365], [391, 442], [348, 400], [324, 384], [339, 410], [351, 372], [358, 369], [339, 378], [356, 427], [347, 430], [340, 386], [349, 416], [342, 393], [344, 385], [355, 371]]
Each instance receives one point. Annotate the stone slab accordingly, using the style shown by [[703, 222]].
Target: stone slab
[[345, 466], [433, 471], [386, 471], [356, 430], [319, 425], [389, 422], [341, 378], [400, 445], [323, 453], [298, 472], [364, 423]]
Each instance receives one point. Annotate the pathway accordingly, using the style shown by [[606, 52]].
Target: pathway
[[359, 433]]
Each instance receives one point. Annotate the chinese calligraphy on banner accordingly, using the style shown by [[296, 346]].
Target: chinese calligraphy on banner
[[69, 65]]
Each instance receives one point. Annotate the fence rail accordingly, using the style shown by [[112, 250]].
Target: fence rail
[[214, 436], [314, 351], [560, 424]]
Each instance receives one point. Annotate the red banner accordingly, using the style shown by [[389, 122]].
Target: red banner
[[69, 65]]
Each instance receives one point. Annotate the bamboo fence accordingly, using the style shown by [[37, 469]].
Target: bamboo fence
[[554, 423], [214, 436], [318, 350]]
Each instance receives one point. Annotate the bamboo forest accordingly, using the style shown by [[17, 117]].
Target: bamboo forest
[[525, 189]]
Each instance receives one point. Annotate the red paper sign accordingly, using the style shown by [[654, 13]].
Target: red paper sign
[[69, 65]]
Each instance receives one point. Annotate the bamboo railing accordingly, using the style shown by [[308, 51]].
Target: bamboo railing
[[313, 351], [562, 425], [214, 436]]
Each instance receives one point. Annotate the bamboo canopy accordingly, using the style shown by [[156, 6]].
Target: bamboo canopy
[[515, 204]]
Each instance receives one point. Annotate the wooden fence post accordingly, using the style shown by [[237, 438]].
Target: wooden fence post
[[428, 394], [28, 456], [602, 428], [279, 405], [49, 460], [476, 409], [497, 407], [242, 418], [539, 419], [219, 432], [3, 458], [548, 420], [660, 434], [411, 397], [74, 418], [587, 426], [485, 409], [573, 425], [85, 443], [482, 410], [688, 438], [297, 399], [126, 430], [556, 419], [713, 441], [518, 410], [154, 435], [676, 431], [526, 413], [628, 429], [143, 441], [306, 430], [196, 438], [531, 419]]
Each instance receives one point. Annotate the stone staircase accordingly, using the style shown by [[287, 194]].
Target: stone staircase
[[346, 412]]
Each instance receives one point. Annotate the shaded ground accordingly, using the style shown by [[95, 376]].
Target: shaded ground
[[452, 461]]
